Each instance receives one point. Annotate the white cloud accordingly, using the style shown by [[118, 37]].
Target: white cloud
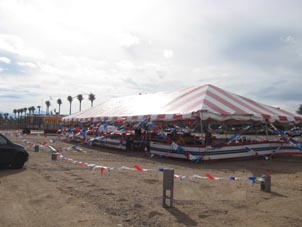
[[16, 45], [28, 64], [168, 53], [5, 60], [128, 40], [290, 40], [125, 65]]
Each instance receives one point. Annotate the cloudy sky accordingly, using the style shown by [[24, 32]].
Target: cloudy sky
[[56, 48]]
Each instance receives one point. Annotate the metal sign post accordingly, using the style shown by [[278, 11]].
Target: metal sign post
[[265, 184], [168, 185], [54, 156]]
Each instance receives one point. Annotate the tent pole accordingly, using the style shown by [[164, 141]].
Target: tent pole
[[201, 126], [266, 130]]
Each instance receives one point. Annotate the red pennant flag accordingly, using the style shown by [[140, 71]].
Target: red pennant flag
[[210, 176], [138, 167], [83, 141], [82, 164], [102, 171]]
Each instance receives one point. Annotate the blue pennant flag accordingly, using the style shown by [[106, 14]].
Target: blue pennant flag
[[252, 179]]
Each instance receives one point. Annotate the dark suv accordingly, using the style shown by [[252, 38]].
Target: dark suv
[[12, 154]]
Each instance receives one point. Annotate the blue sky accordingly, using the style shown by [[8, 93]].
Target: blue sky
[[53, 49]]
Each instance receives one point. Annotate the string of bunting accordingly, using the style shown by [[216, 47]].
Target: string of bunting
[[136, 167], [20, 134]]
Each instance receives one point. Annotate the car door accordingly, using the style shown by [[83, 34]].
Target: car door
[[6, 150]]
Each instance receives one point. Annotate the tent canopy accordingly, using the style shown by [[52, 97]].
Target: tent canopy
[[207, 101]]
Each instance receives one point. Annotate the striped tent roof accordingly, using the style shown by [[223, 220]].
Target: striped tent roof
[[207, 101]]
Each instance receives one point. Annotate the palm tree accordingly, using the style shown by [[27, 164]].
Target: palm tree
[[6, 116], [80, 98], [21, 111], [69, 98], [39, 108], [15, 112], [18, 111], [59, 101], [25, 109], [91, 98], [47, 103], [33, 109], [299, 110], [30, 109]]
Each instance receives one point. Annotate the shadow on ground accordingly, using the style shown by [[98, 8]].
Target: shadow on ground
[[6, 171], [182, 217]]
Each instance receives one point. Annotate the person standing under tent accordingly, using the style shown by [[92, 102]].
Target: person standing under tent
[[208, 138]]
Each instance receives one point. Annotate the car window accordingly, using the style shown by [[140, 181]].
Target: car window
[[3, 141]]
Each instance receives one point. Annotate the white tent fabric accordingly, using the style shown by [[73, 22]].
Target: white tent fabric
[[207, 101]]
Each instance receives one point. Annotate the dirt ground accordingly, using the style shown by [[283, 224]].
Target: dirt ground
[[48, 193]]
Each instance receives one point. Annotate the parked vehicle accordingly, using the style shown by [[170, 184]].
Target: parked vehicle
[[12, 154], [296, 131]]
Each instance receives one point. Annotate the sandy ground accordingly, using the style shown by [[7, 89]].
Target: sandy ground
[[56, 193]]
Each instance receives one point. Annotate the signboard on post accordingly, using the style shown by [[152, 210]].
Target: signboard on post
[[168, 185]]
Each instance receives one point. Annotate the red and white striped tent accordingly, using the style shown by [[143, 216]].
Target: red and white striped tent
[[207, 101]]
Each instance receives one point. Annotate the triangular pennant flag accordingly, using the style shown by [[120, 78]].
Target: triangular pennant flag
[[138, 167], [210, 176], [253, 180], [102, 171]]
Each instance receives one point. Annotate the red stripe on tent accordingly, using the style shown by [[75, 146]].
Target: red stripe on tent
[[298, 118], [290, 114], [226, 103], [258, 105], [266, 116], [134, 118], [216, 108], [195, 105], [147, 116], [160, 116], [182, 96], [181, 102], [282, 118], [252, 108], [177, 116]]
